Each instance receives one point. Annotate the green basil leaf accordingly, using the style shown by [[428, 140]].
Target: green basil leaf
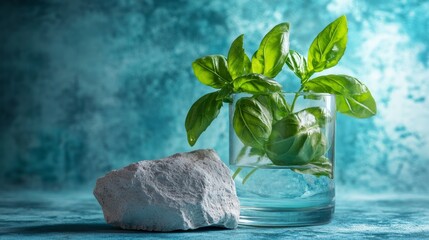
[[252, 122], [276, 103], [298, 64], [313, 117], [271, 55], [296, 140], [224, 94], [322, 115], [318, 167], [352, 97], [200, 116], [212, 71], [238, 61], [329, 46], [256, 84]]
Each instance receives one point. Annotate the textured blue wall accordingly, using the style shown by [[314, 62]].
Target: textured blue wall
[[87, 86]]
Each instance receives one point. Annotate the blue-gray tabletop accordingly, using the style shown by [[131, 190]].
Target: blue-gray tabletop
[[77, 215]]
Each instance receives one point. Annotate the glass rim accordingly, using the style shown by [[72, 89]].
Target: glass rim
[[289, 93], [309, 93]]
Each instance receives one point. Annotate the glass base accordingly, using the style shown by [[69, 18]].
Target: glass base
[[278, 217]]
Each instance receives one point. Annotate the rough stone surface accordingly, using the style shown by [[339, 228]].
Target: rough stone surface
[[180, 192]]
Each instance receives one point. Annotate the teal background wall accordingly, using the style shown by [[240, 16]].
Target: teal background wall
[[88, 86]]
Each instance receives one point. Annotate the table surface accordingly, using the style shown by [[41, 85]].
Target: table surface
[[70, 215]]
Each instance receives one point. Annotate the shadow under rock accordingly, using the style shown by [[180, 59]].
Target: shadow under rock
[[91, 228]]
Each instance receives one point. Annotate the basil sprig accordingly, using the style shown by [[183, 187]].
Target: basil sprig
[[264, 122], [237, 74]]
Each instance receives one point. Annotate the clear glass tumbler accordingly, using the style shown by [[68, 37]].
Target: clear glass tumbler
[[286, 176]]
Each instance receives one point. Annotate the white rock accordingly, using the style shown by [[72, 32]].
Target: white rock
[[180, 192]]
